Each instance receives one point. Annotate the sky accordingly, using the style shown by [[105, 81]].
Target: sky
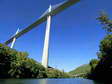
[[75, 33]]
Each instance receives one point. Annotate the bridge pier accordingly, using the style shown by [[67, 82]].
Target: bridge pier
[[14, 39], [46, 41]]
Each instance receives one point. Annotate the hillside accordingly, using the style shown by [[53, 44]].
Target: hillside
[[81, 69], [15, 64]]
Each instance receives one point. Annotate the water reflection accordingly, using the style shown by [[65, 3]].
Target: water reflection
[[43, 81], [11, 81], [48, 81], [96, 82]]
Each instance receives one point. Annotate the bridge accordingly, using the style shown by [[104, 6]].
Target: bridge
[[46, 16]]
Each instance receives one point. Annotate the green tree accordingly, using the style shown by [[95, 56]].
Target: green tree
[[93, 63], [102, 70], [106, 47], [106, 22]]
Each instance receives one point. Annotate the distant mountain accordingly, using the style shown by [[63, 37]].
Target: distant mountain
[[81, 69]]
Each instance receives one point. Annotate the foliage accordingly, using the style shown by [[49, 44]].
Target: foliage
[[55, 73], [93, 63], [106, 47], [106, 22], [14, 64], [81, 69], [103, 68]]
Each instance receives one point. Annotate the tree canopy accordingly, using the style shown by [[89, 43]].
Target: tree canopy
[[101, 68], [106, 22]]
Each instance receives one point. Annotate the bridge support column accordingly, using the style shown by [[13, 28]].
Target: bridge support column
[[14, 39], [46, 42]]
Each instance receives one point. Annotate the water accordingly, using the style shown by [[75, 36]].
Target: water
[[48, 81]]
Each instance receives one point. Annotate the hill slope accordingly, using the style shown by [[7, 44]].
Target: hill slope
[[15, 64], [81, 69]]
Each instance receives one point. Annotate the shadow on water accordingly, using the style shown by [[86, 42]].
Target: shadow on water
[[48, 81]]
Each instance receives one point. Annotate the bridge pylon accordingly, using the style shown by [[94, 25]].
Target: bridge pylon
[[46, 41], [14, 39]]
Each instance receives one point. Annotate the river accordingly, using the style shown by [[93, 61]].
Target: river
[[48, 81]]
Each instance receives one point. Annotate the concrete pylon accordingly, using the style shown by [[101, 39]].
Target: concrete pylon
[[46, 41], [14, 39]]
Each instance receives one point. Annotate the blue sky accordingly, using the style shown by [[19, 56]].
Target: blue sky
[[75, 32]]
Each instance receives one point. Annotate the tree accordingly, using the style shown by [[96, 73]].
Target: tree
[[103, 70], [106, 22], [106, 47], [93, 63]]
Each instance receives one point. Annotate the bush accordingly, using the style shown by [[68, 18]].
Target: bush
[[55, 73]]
